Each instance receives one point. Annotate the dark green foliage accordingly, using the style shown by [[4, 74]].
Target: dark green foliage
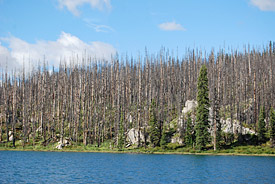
[[188, 139], [167, 134], [120, 144], [261, 126], [155, 131], [164, 137], [202, 122], [272, 127]]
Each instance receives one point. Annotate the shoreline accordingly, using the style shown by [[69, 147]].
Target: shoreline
[[141, 152]]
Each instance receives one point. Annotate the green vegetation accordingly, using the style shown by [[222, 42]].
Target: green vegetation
[[164, 137], [121, 133], [171, 148], [202, 122], [261, 126], [155, 131], [189, 139]]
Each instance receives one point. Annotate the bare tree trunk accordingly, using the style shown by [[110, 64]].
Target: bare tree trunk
[[14, 109], [23, 110], [255, 103], [139, 103]]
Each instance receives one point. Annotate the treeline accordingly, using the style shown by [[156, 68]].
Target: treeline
[[92, 101]]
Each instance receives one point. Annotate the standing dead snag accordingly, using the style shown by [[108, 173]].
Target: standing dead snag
[[83, 101]]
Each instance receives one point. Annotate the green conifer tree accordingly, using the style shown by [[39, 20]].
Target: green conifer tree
[[154, 132], [164, 137], [120, 144], [202, 122], [261, 126], [272, 127], [188, 139]]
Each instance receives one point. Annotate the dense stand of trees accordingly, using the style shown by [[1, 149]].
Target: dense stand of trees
[[90, 101]]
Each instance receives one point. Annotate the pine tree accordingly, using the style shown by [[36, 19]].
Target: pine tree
[[120, 144], [154, 131], [188, 139], [272, 127], [202, 122], [261, 126], [164, 137]]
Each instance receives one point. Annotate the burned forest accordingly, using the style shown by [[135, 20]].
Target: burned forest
[[88, 101]]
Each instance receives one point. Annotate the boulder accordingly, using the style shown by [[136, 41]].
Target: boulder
[[11, 138], [189, 106], [176, 140], [59, 146], [66, 142], [132, 136]]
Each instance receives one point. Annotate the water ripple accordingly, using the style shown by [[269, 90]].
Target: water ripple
[[51, 167]]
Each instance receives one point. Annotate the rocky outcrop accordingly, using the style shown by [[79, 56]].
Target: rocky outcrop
[[59, 146], [10, 136], [176, 139], [190, 105], [227, 126], [237, 128], [132, 136], [66, 142]]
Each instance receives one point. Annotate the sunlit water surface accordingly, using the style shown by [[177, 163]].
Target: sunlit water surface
[[61, 167]]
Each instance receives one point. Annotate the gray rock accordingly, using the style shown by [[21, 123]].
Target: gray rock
[[59, 146], [132, 136], [176, 140], [227, 127], [11, 138], [66, 142], [189, 106]]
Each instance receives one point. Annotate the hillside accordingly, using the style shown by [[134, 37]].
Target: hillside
[[92, 102]]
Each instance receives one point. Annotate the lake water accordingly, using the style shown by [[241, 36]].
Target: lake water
[[54, 167]]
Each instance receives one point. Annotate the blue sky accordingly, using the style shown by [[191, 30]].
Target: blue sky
[[57, 29]]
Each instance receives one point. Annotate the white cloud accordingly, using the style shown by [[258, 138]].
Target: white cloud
[[264, 5], [98, 27], [72, 5], [171, 26], [65, 48], [6, 61]]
